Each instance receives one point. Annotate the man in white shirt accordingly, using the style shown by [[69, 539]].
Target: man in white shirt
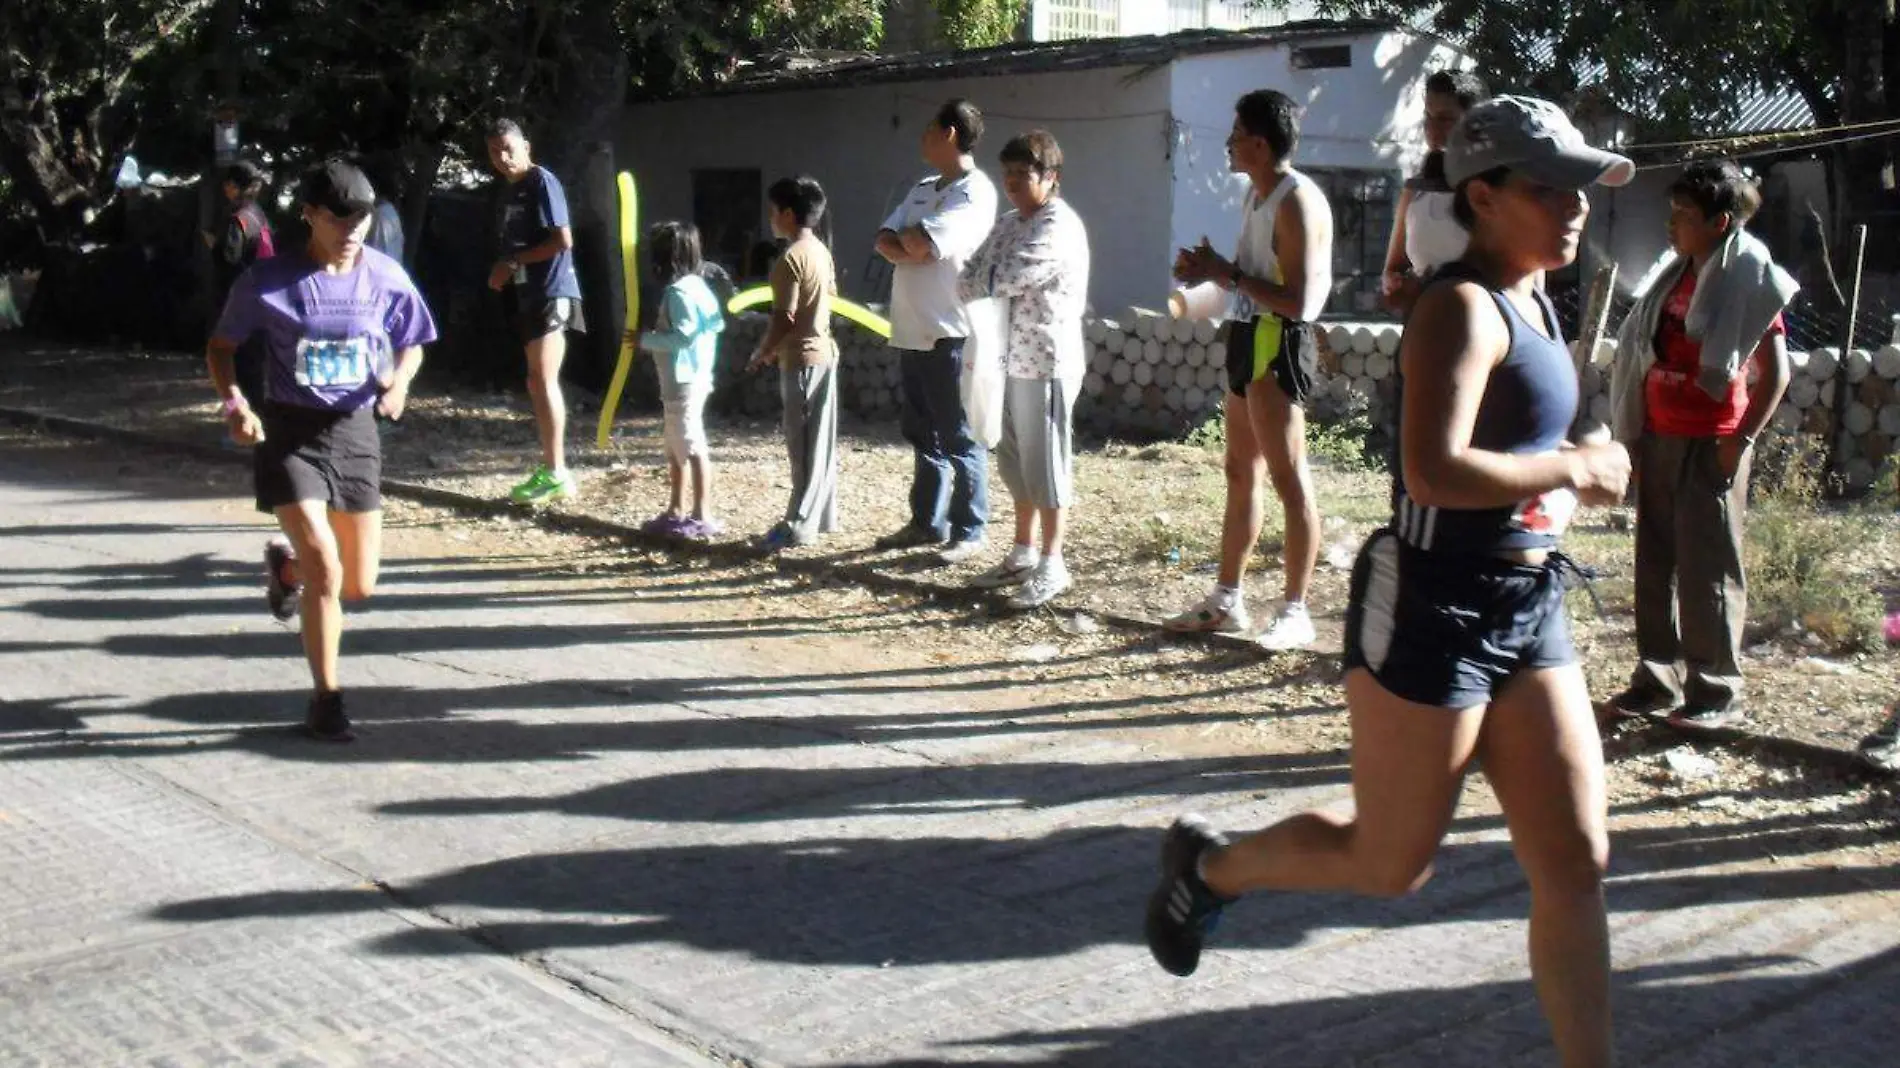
[[1280, 279], [927, 239]]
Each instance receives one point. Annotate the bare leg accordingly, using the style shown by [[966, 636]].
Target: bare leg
[[676, 484], [1240, 525], [550, 405], [1543, 756], [702, 485], [359, 543], [1279, 428], [1025, 521], [1408, 764], [320, 569], [1055, 524]]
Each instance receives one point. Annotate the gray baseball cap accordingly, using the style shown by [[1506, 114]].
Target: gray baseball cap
[[1533, 137]]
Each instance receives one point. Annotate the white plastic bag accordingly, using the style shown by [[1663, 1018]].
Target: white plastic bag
[[982, 380]]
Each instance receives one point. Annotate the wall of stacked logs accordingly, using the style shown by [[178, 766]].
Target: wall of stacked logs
[[1151, 377]]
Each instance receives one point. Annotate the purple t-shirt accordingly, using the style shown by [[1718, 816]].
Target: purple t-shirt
[[328, 338]]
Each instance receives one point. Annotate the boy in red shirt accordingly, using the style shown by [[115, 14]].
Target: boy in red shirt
[[1687, 408]]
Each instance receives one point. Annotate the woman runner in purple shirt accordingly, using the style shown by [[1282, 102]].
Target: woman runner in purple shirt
[[342, 329]]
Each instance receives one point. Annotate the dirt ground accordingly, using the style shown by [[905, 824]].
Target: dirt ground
[[1142, 544]]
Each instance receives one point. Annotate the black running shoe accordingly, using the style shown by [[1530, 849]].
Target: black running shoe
[[325, 721], [1182, 911], [283, 595], [908, 537]]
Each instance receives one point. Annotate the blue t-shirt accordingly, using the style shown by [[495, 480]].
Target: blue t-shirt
[[531, 210], [328, 338]]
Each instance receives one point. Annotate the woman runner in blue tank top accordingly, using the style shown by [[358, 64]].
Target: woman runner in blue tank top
[[1457, 646]]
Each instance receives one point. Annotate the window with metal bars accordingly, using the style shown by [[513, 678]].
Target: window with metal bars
[[1073, 19], [1363, 203]]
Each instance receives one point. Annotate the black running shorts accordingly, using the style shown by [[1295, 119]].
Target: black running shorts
[[1270, 345], [534, 317], [1450, 629], [312, 454]]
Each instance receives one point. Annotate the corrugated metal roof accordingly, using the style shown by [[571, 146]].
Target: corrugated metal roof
[[1762, 111], [797, 71], [1765, 112]]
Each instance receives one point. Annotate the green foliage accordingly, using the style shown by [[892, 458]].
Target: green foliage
[[1684, 67], [1349, 442], [980, 23], [840, 24], [1210, 435], [1801, 555]]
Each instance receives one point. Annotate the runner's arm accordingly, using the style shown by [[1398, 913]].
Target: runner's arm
[[1455, 339], [1303, 235], [559, 240], [221, 362], [408, 363]]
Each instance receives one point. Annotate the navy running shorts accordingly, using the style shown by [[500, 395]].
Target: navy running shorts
[[1450, 629]]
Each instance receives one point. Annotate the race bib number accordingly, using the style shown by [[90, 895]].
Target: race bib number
[[333, 364]]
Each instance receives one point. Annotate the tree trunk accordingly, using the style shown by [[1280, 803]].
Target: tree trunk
[[30, 143], [425, 166], [1862, 167]]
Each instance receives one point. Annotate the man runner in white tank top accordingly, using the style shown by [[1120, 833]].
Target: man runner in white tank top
[[1280, 279]]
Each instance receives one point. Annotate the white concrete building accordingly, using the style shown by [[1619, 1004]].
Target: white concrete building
[[1142, 123], [1063, 20]]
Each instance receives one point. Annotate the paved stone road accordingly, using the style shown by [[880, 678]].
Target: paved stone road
[[580, 829]]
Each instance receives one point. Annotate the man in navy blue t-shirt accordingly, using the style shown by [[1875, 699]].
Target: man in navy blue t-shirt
[[534, 273]]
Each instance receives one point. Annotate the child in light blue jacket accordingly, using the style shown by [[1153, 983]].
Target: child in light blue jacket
[[684, 342]]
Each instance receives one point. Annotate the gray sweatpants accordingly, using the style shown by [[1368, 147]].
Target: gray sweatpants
[[811, 439]]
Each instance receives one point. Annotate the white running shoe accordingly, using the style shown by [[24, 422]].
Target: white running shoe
[[1045, 585], [962, 551], [1291, 628], [1005, 574], [1209, 618]]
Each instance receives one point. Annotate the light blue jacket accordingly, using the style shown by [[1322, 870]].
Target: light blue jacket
[[687, 330]]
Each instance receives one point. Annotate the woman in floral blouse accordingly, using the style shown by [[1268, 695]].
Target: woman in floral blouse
[[1036, 260]]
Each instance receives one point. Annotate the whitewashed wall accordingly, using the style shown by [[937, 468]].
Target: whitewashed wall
[[861, 143]]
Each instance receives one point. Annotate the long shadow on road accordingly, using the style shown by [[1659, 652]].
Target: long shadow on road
[[882, 903]]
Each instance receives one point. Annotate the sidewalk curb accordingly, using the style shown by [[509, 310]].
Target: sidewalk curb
[[864, 575]]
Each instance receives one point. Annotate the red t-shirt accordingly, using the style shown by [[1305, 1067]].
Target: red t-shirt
[[1677, 406]]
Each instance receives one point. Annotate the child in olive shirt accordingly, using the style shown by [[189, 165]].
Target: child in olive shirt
[[799, 342]]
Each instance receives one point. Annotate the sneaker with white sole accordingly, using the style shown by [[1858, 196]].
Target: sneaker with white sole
[[1209, 617], [1291, 628], [1045, 585], [283, 594], [963, 551], [1881, 749], [1004, 575]]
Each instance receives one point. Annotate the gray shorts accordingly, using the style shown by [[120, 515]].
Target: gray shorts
[[1036, 455]]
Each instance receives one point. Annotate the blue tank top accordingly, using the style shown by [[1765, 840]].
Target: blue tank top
[[1530, 402]]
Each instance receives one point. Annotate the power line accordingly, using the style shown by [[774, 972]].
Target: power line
[[1777, 149], [1811, 132]]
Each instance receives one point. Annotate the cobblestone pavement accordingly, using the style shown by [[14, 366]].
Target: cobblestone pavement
[[581, 828]]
